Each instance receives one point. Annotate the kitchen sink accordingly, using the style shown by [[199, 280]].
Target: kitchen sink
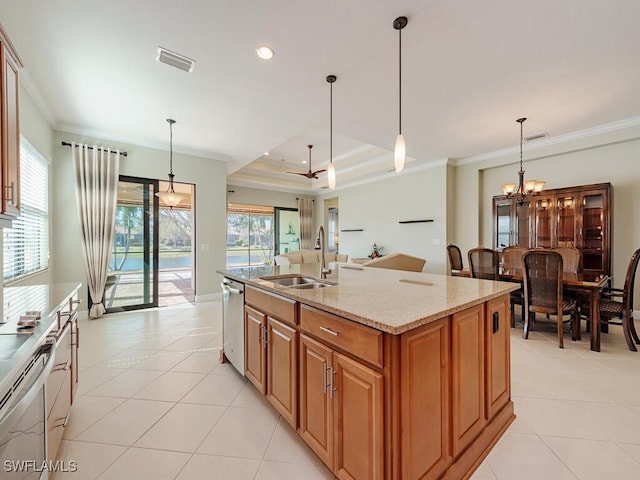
[[298, 281]]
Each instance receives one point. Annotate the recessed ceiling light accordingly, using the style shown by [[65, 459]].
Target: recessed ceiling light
[[266, 154], [264, 52], [304, 161]]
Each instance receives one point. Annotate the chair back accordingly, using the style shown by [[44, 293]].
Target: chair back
[[512, 258], [630, 280], [484, 263], [543, 281], [570, 258], [455, 257]]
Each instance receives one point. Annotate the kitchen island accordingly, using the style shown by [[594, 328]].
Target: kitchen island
[[385, 374]]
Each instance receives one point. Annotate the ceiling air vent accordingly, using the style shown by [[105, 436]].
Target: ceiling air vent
[[175, 59]]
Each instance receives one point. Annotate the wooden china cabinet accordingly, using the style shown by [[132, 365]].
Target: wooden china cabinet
[[577, 217]]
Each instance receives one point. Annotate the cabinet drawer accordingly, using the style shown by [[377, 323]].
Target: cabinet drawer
[[61, 367], [359, 340], [58, 416], [284, 309]]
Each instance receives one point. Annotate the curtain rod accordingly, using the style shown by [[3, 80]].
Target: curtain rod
[[67, 144]]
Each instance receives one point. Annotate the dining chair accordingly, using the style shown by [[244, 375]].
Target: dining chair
[[613, 312], [455, 258], [570, 258], [512, 261], [484, 263], [543, 291]]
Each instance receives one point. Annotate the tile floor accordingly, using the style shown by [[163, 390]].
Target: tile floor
[[154, 403]]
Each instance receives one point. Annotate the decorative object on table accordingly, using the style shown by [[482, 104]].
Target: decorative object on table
[[310, 174], [170, 197], [331, 171], [524, 189], [377, 251], [399, 151]]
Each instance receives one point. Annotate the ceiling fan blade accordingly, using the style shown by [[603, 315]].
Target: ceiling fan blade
[[319, 171]]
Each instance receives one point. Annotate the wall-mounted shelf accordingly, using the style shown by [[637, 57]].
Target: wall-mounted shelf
[[415, 221], [352, 230]]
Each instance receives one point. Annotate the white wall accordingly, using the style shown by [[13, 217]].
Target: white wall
[[378, 207], [207, 174]]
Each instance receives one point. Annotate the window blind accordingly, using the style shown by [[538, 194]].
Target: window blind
[[26, 244]]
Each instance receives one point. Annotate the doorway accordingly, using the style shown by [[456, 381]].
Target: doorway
[[132, 282], [152, 259]]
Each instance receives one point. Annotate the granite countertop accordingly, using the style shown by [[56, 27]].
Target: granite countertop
[[48, 299], [392, 301]]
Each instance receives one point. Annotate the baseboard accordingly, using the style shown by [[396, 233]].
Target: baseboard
[[209, 297]]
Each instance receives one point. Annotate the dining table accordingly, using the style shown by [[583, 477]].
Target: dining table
[[585, 284]]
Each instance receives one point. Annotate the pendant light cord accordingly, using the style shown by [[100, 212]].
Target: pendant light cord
[[399, 81], [330, 122], [171, 148]]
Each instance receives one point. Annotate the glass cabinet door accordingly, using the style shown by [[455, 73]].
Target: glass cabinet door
[[522, 215], [566, 206], [593, 248], [543, 223], [503, 225]]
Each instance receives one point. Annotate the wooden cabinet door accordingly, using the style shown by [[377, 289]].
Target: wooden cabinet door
[[316, 404], [10, 133], [497, 336], [358, 420], [467, 376], [424, 412], [255, 357], [282, 369]]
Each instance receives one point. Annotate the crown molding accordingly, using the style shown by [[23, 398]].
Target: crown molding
[[550, 141]]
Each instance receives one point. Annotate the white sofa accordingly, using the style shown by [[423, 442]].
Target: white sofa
[[308, 256]]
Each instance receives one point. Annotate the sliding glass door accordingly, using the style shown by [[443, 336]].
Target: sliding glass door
[[133, 266], [249, 235]]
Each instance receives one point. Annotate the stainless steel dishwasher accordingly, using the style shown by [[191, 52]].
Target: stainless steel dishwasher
[[233, 322]]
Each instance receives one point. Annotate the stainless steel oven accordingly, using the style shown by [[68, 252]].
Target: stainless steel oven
[[23, 443]]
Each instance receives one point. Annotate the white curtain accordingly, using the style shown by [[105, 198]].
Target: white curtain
[[97, 172], [305, 210]]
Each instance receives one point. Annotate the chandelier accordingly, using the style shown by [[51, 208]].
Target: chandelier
[[171, 198], [524, 188]]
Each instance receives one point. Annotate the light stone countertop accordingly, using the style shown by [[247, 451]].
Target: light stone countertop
[[392, 301], [48, 299]]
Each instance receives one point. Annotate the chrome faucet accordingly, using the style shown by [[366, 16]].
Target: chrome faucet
[[320, 245]]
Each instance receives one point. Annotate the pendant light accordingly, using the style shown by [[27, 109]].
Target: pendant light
[[399, 151], [170, 197], [331, 170], [525, 189]]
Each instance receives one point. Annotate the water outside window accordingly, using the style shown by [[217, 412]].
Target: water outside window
[[250, 235]]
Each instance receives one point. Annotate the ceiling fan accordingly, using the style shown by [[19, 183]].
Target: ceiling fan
[[310, 174]]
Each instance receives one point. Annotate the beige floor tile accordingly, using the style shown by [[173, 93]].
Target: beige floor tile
[[192, 342], [125, 424], [632, 450], [126, 384], [285, 446], [216, 390], [163, 360], [201, 361], [146, 464], [241, 431], [92, 377], [90, 459], [86, 411], [553, 417], [171, 386], [270, 470], [249, 396], [216, 467], [526, 457], [128, 357], [483, 472], [586, 458], [183, 428]]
